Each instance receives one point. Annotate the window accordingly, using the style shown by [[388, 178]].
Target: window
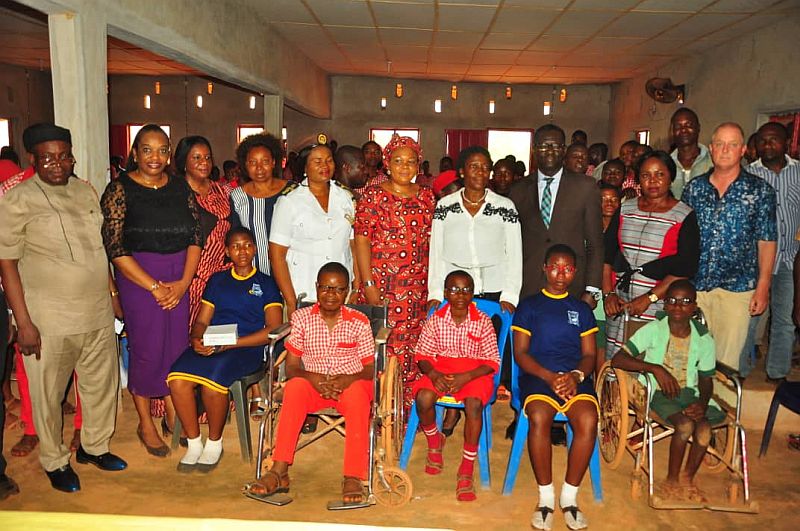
[[5, 132], [133, 130], [382, 136], [643, 136], [245, 130], [504, 142]]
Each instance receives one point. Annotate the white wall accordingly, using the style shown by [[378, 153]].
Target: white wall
[[737, 81]]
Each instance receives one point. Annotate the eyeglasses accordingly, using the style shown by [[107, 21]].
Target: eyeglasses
[[683, 301], [47, 161], [549, 147], [455, 290], [561, 269], [332, 289], [477, 166]]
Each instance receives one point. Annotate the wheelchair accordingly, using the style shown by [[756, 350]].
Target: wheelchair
[[387, 484], [628, 425]]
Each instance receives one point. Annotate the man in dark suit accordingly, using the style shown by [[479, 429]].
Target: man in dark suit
[[556, 206]]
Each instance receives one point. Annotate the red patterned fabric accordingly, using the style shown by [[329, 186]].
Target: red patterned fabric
[[212, 259], [346, 349], [399, 233], [472, 340]]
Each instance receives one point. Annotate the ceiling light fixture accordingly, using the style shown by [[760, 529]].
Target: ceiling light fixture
[[383, 104], [491, 106], [437, 106], [398, 90], [546, 108], [562, 95], [252, 102], [454, 92], [284, 133], [158, 87], [147, 101], [210, 88], [508, 92], [199, 102]]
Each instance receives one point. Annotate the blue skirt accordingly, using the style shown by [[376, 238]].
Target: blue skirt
[[218, 371]]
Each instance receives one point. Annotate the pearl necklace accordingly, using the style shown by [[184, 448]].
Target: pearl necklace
[[474, 203]]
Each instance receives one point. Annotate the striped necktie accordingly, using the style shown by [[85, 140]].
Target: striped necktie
[[546, 207]]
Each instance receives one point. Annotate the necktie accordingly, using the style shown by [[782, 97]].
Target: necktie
[[547, 202]]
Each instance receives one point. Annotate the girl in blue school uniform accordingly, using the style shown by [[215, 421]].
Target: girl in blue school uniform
[[555, 349]]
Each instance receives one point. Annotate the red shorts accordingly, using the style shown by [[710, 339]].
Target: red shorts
[[480, 388]]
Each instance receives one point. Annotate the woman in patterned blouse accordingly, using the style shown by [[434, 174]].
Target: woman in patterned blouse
[[392, 228]]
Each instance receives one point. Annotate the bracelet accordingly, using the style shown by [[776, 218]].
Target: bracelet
[[154, 287], [368, 283], [605, 295], [114, 293]]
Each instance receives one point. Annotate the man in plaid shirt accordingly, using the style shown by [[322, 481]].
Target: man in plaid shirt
[[330, 364], [457, 354]]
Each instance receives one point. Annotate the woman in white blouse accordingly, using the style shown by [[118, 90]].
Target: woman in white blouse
[[478, 231], [311, 226]]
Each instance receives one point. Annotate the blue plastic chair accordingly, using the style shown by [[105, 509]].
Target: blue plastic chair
[[519, 442], [491, 309]]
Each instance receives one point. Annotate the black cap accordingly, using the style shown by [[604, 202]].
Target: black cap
[[38, 133]]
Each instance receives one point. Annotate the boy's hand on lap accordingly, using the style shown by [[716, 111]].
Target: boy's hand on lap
[[441, 382], [695, 411], [668, 384], [457, 381]]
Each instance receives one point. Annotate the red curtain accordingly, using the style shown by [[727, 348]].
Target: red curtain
[[118, 141], [792, 122], [458, 139]]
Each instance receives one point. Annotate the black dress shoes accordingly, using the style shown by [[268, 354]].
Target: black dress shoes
[[106, 461], [64, 479]]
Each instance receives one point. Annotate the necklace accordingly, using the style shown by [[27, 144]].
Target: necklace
[[474, 203]]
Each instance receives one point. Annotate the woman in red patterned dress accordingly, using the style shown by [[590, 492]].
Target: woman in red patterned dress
[[193, 161], [392, 233]]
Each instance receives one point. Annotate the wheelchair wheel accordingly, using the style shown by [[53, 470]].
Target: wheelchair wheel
[[391, 410], [721, 442], [394, 488], [612, 396]]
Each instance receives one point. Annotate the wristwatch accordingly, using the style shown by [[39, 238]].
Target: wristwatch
[[580, 374], [652, 297]]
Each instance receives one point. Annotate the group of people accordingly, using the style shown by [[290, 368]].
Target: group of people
[[570, 250]]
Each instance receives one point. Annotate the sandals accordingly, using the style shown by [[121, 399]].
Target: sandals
[[356, 488], [281, 484], [542, 518], [694, 494], [257, 408], [434, 467], [25, 446], [465, 488], [574, 518]]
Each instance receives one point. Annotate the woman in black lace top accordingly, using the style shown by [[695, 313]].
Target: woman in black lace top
[[151, 232]]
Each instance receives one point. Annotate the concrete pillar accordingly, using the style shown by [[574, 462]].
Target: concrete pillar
[[78, 61], [273, 114]]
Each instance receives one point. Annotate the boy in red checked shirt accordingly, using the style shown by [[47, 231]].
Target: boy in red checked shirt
[[330, 364], [457, 354]]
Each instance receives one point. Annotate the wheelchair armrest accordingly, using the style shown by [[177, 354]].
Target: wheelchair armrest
[[383, 335], [280, 332], [727, 372]]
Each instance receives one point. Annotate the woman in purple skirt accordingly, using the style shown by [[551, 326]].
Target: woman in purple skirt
[[151, 232]]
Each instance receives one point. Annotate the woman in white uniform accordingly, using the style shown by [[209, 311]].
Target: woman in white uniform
[[312, 225]]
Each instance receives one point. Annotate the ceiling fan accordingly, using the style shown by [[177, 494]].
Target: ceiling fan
[[662, 90]]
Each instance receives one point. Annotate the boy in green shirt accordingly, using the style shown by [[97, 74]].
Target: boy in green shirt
[[679, 353]]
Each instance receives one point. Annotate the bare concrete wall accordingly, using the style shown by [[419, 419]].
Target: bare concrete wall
[[222, 111], [752, 75], [355, 110], [26, 97]]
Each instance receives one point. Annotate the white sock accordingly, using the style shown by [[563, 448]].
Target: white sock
[[211, 452], [569, 495], [193, 452], [547, 496]]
